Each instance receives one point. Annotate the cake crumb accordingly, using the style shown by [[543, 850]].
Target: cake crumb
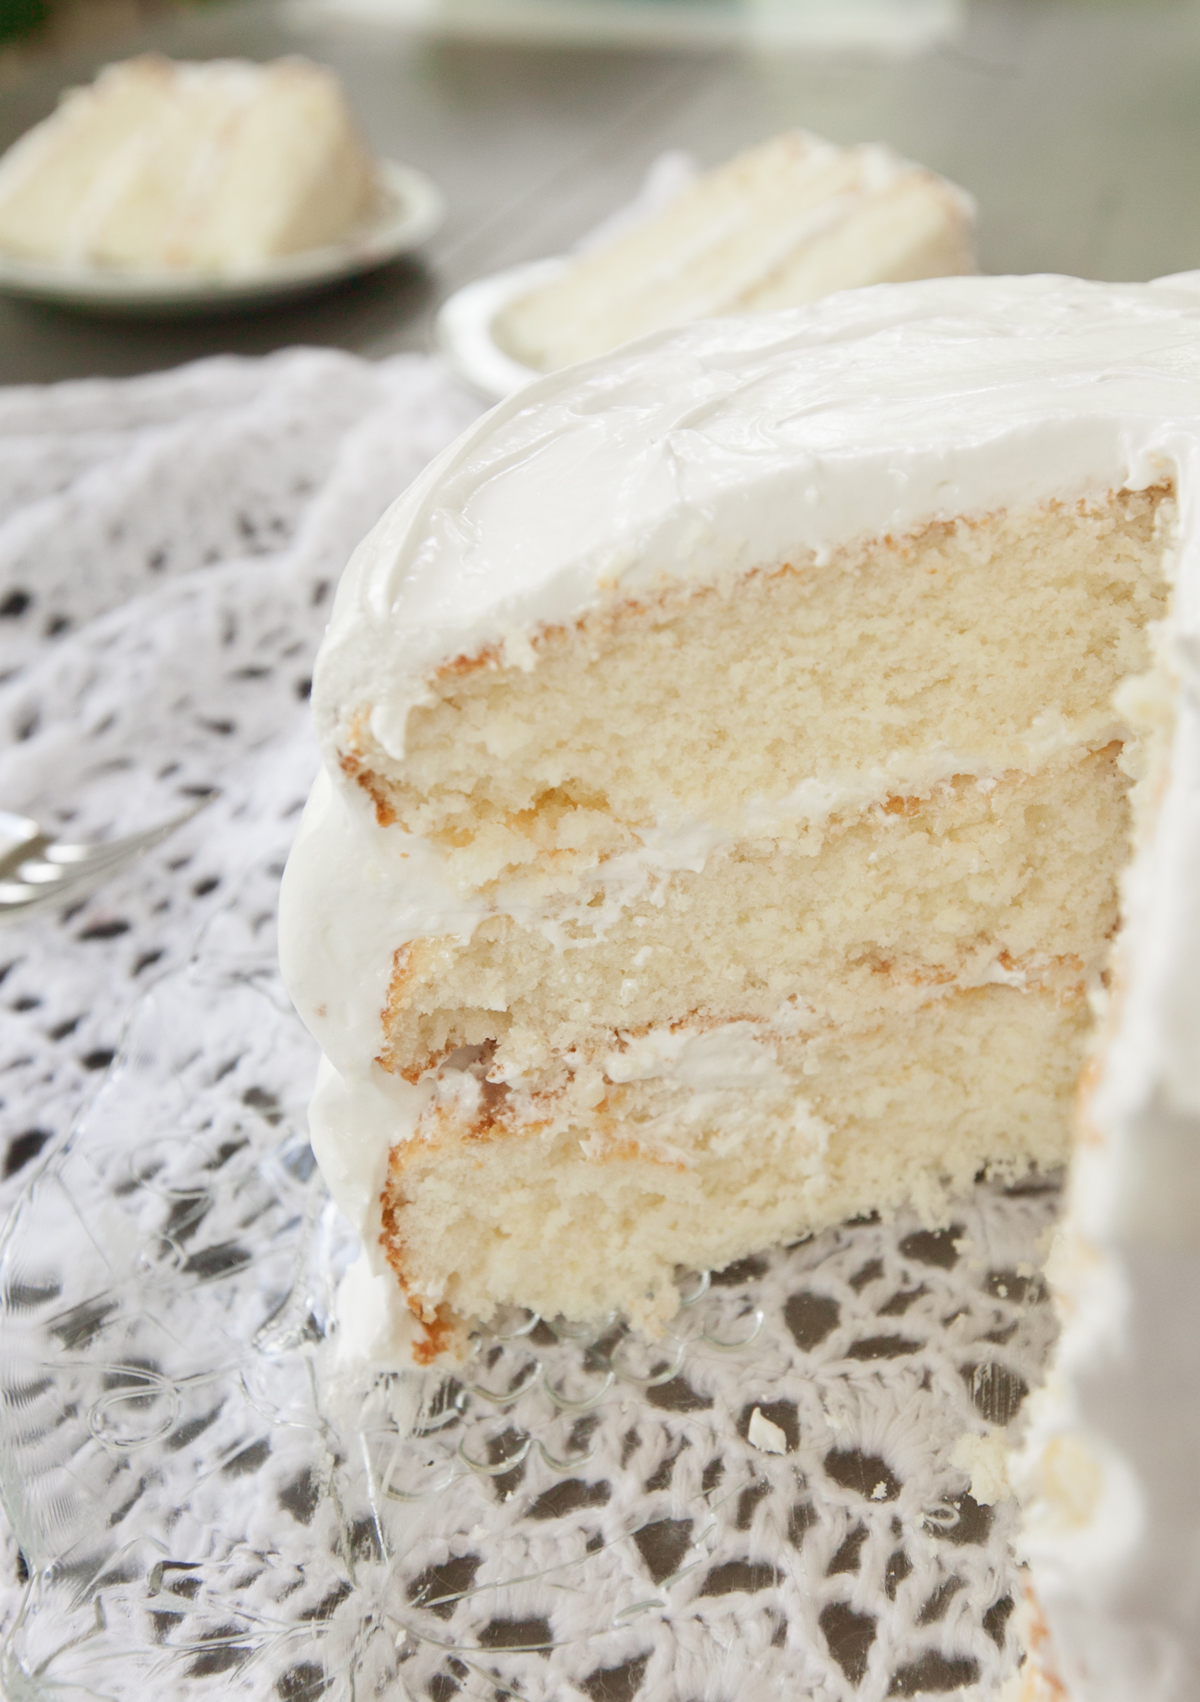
[[768, 1438], [985, 1459]]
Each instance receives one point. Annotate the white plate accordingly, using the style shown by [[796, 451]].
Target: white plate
[[465, 328], [411, 209]]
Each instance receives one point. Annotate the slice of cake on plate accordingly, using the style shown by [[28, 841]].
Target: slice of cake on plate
[[778, 226], [752, 763], [216, 168]]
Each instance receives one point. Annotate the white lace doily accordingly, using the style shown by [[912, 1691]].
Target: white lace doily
[[203, 1507]]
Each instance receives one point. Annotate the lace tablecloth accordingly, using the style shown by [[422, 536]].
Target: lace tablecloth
[[573, 1515]]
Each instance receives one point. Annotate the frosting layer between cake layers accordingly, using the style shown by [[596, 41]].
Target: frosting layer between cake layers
[[690, 462]]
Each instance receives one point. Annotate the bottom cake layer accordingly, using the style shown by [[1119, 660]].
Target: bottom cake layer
[[711, 1145]]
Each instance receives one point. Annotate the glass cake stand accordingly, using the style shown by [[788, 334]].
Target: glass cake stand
[[210, 1504]]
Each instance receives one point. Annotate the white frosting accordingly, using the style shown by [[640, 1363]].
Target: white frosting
[[374, 1324], [730, 445]]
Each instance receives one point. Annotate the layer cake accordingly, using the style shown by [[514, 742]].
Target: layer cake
[[758, 788]]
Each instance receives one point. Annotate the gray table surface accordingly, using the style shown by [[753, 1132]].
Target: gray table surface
[[1076, 125]]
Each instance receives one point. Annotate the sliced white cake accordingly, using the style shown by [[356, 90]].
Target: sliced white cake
[[740, 756], [214, 168], [778, 226]]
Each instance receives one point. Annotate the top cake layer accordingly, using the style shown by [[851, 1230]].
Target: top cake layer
[[214, 167], [695, 456]]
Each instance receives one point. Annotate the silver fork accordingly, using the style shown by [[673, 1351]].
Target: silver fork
[[38, 871]]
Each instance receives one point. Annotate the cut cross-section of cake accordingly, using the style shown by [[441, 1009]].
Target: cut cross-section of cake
[[757, 789], [791, 896], [726, 790]]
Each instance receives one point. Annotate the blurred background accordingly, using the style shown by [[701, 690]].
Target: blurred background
[[1074, 123]]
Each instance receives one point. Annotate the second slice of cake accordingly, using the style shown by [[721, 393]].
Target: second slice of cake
[[778, 226]]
